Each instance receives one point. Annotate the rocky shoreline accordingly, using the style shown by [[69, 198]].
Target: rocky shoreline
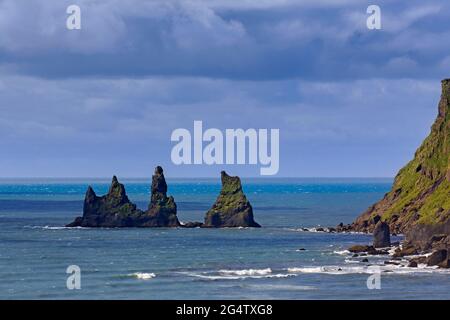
[[434, 252]]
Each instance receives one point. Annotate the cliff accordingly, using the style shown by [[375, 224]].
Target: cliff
[[419, 201]]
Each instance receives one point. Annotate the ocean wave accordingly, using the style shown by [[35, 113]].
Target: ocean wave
[[323, 230], [247, 272], [53, 227], [238, 274], [383, 269], [143, 275], [342, 252]]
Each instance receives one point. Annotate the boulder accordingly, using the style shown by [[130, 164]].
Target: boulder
[[407, 250], [412, 264], [231, 209], [192, 224], [437, 257], [360, 248], [381, 235]]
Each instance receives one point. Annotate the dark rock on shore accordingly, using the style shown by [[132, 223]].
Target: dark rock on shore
[[360, 248], [192, 224], [381, 235], [412, 264], [231, 209], [438, 258], [366, 249], [115, 210], [406, 250]]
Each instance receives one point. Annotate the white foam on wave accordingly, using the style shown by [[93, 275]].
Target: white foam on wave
[[351, 261], [247, 272], [143, 275], [238, 274], [342, 252], [383, 269], [53, 227]]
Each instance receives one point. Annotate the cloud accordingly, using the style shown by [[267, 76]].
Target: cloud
[[251, 40], [67, 124]]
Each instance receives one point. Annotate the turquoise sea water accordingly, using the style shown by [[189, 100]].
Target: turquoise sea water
[[265, 263]]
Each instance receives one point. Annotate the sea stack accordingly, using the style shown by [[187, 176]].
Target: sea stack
[[110, 210], [381, 235], [115, 210], [419, 203], [231, 209], [162, 210]]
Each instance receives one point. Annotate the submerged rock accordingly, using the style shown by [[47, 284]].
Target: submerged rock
[[231, 209], [115, 210], [381, 235]]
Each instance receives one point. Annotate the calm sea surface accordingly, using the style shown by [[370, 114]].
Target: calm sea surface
[[265, 263]]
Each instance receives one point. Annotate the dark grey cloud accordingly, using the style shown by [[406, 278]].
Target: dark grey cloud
[[348, 101], [226, 39]]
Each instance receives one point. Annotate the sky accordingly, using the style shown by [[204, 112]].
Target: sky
[[104, 100]]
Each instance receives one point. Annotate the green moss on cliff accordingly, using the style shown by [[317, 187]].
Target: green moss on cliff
[[421, 190]]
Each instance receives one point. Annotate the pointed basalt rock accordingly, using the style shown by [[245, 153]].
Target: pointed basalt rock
[[115, 210], [162, 210], [231, 209]]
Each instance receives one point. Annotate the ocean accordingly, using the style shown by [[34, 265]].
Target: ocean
[[278, 261]]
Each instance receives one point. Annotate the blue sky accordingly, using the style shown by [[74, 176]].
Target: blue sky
[[349, 102]]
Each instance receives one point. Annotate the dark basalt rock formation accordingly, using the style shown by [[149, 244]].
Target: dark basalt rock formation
[[231, 209], [162, 210], [381, 235], [115, 210]]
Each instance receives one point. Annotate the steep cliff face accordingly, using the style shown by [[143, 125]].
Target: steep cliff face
[[420, 196], [231, 209], [115, 210]]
